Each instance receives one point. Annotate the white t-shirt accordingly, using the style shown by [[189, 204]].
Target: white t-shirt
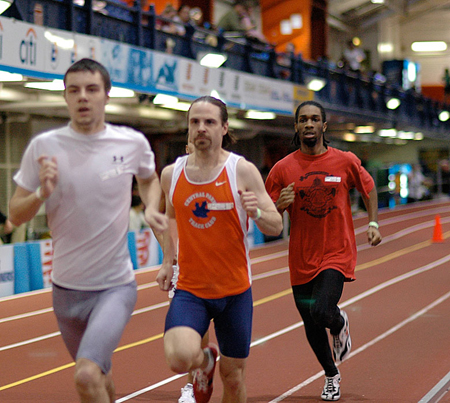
[[88, 212]]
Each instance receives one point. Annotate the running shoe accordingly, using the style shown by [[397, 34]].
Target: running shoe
[[187, 394], [203, 380], [342, 343], [331, 390]]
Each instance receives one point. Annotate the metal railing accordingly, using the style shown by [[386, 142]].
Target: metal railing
[[345, 92]]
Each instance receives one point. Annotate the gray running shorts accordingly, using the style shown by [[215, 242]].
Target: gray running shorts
[[92, 322]]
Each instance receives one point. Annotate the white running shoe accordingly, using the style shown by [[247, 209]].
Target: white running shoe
[[176, 272], [332, 390], [187, 394], [342, 343]]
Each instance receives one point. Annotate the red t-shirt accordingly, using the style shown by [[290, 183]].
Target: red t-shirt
[[322, 234]]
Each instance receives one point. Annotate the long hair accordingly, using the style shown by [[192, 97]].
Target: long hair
[[296, 140], [91, 66], [229, 138]]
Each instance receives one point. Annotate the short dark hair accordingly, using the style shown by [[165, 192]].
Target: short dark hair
[[91, 66], [296, 139], [229, 138]]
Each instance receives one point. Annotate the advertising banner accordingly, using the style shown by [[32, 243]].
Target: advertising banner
[[47, 53], [6, 270], [147, 248], [47, 261]]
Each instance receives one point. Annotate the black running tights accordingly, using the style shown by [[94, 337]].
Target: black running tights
[[317, 303]]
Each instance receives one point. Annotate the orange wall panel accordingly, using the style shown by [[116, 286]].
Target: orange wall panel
[[274, 11], [435, 92]]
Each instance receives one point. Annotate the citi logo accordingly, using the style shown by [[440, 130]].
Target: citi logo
[[74, 54], [54, 55], [28, 48]]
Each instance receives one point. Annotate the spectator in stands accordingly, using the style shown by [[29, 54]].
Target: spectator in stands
[[182, 18], [240, 20], [83, 173], [446, 79], [165, 23], [196, 17], [353, 56], [284, 59]]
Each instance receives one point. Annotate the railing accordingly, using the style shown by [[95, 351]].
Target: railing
[[345, 92]]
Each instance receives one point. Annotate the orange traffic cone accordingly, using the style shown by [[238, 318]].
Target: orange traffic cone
[[437, 233]]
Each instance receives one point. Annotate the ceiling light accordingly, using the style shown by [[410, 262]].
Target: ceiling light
[[387, 133], [385, 47], [429, 46], [178, 106], [117, 92], [212, 60], [350, 137], [393, 103], [163, 99], [364, 129], [377, 1], [418, 136], [444, 116], [7, 76], [4, 5], [260, 115], [215, 94], [55, 85], [315, 83], [406, 135]]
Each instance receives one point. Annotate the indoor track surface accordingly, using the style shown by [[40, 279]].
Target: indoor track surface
[[399, 312]]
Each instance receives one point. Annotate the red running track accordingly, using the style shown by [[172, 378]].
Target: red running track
[[399, 312]]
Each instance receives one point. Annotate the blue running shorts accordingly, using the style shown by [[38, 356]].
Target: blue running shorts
[[232, 319]]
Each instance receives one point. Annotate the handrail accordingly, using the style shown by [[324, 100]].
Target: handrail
[[345, 92]]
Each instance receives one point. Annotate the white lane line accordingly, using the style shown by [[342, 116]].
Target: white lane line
[[299, 324], [365, 346], [438, 391], [30, 341], [26, 315], [408, 216], [136, 312]]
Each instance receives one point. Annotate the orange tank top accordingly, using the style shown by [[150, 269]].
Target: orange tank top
[[212, 228]]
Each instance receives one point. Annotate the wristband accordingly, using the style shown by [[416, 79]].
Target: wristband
[[258, 214], [374, 224], [39, 194]]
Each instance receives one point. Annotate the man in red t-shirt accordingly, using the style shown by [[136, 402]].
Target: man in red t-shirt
[[313, 185]]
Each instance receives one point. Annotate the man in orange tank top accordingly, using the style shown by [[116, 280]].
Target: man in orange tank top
[[212, 193]]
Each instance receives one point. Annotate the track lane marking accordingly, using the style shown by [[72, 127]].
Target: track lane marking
[[256, 303], [256, 277], [294, 326], [365, 346], [122, 348]]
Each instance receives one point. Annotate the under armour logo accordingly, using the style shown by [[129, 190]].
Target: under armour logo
[[117, 159]]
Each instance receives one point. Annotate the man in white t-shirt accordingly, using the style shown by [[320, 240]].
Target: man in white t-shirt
[[83, 173]]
